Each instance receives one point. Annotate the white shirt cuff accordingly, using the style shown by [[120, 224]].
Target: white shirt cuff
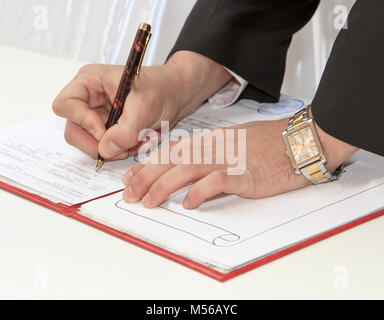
[[230, 93]]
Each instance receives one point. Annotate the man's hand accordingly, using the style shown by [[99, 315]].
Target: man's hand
[[268, 170], [169, 92]]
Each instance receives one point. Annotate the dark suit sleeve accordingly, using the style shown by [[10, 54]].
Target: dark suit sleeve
[[349, 103], [249, 37]]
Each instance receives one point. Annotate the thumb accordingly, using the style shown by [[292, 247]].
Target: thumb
[[124, 135], [141, 111], [118, 139]]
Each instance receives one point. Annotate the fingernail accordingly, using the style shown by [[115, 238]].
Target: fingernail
[[147, 200], [111, 149], [129, 196], [187, 204], [127, 177]]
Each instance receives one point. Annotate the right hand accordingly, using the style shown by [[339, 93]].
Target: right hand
[[168, 92]]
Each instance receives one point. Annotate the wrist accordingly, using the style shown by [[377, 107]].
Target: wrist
[[195, 78]]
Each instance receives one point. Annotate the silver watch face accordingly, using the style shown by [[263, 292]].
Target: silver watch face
[[303, 145]]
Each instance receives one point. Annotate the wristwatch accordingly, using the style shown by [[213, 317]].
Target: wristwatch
[[305, 151]]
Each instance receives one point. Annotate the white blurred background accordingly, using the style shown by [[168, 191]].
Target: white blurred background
[[101, 31]]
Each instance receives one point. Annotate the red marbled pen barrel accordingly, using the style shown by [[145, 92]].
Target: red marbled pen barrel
[[132, 68]]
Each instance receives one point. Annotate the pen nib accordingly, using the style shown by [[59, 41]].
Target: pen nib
[[99, 164]]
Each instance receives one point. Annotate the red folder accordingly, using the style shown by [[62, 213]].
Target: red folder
[[72, 212]]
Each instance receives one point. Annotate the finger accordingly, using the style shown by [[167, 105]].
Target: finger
[[147, 146], [162, 155], [103, 113], [92, 77], [215, 183], [72, 104], [170, 182], [139, 113], [140, 165], [118, 138], [142, 181], [121, 156], [128, 138], [81, 139], [131, 173]]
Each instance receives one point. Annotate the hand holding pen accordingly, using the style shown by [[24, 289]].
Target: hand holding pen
[[165, 92]]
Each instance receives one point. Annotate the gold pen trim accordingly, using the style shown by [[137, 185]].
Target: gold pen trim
[[144, 51], [99, 164], [145, 27]]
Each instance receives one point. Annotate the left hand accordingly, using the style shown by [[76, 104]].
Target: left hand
[[268, 170]]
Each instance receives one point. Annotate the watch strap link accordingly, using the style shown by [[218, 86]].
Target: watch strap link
[[298, 119], [317, 173]]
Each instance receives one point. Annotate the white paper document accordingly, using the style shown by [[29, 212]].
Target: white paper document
[[230, 232], [35, 155]]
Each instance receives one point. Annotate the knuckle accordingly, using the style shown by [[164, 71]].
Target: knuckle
[[158, 189], [68, 136], [85, 119], [90, 82], [136, 169], [86, 68], [57, 106], [140, 179], [85, 124], [220, 177]]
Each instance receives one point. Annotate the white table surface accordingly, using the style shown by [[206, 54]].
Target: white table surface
[[46, 255]]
